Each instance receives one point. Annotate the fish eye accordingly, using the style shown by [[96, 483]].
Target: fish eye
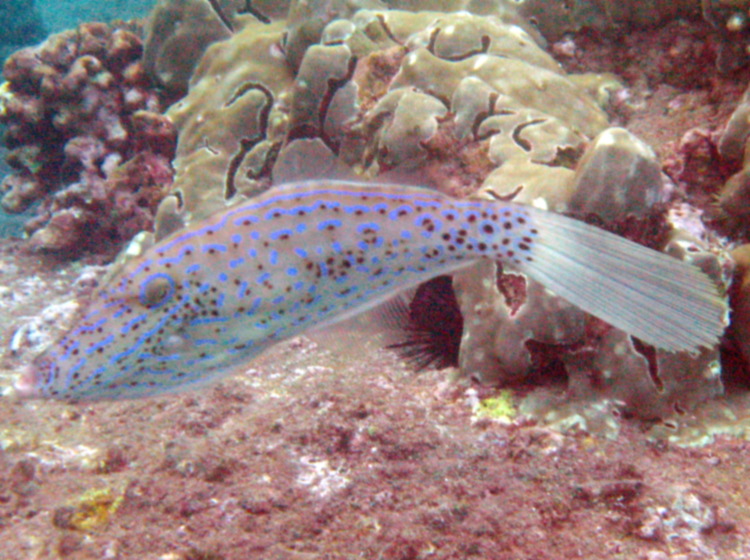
[[156, 290]]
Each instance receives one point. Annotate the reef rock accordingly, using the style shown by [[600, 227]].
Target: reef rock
[[86, 139]]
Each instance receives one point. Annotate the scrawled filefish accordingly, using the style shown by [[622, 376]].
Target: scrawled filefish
[[210, 297]]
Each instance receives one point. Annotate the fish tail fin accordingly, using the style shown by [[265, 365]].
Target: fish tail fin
[[661, 300]]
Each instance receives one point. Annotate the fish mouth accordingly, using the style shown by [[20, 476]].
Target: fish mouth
[[27, 385]]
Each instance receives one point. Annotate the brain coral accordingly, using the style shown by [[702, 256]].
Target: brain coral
[[179, 31], [86, 138]]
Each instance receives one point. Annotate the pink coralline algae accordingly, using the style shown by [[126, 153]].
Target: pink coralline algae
[[87, 139]]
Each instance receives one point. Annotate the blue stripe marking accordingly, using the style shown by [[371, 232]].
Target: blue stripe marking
[[240, 221], [51, 370], [127, 326], [120, 312], [278, 300], [90, 378], [301, 252], [171, 260], [159, 372], [273, 256], [157, 358], [170, 358], [255, 235], [205, 341], [276, 234], [256, 304], [362, 245], [190, 363], [394, 214], [236, 238], [367, 225], [298, 285], [355, 207], [79, 364], [101, 344], [291, 271], [220, 301], [263, 277], [69, 351], [223, 277], [203, 288], [193, 268], [215, 246], [336, 246], [325, 223], [208, 320], [110, 305], [271, 214], [140, 268], [241, 291], [89, 328], [252, 252], [234, 263]]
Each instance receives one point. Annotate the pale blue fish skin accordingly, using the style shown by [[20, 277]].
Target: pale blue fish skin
[[207, 299]]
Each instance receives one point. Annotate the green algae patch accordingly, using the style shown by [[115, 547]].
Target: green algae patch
[[500, 408], [91, 511]]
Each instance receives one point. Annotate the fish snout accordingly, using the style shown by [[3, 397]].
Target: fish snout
[[28, 385]]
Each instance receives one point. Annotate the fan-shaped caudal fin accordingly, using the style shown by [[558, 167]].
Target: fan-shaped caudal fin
[[659, 299]]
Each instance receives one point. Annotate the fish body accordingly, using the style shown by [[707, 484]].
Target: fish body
[[208, 298]]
